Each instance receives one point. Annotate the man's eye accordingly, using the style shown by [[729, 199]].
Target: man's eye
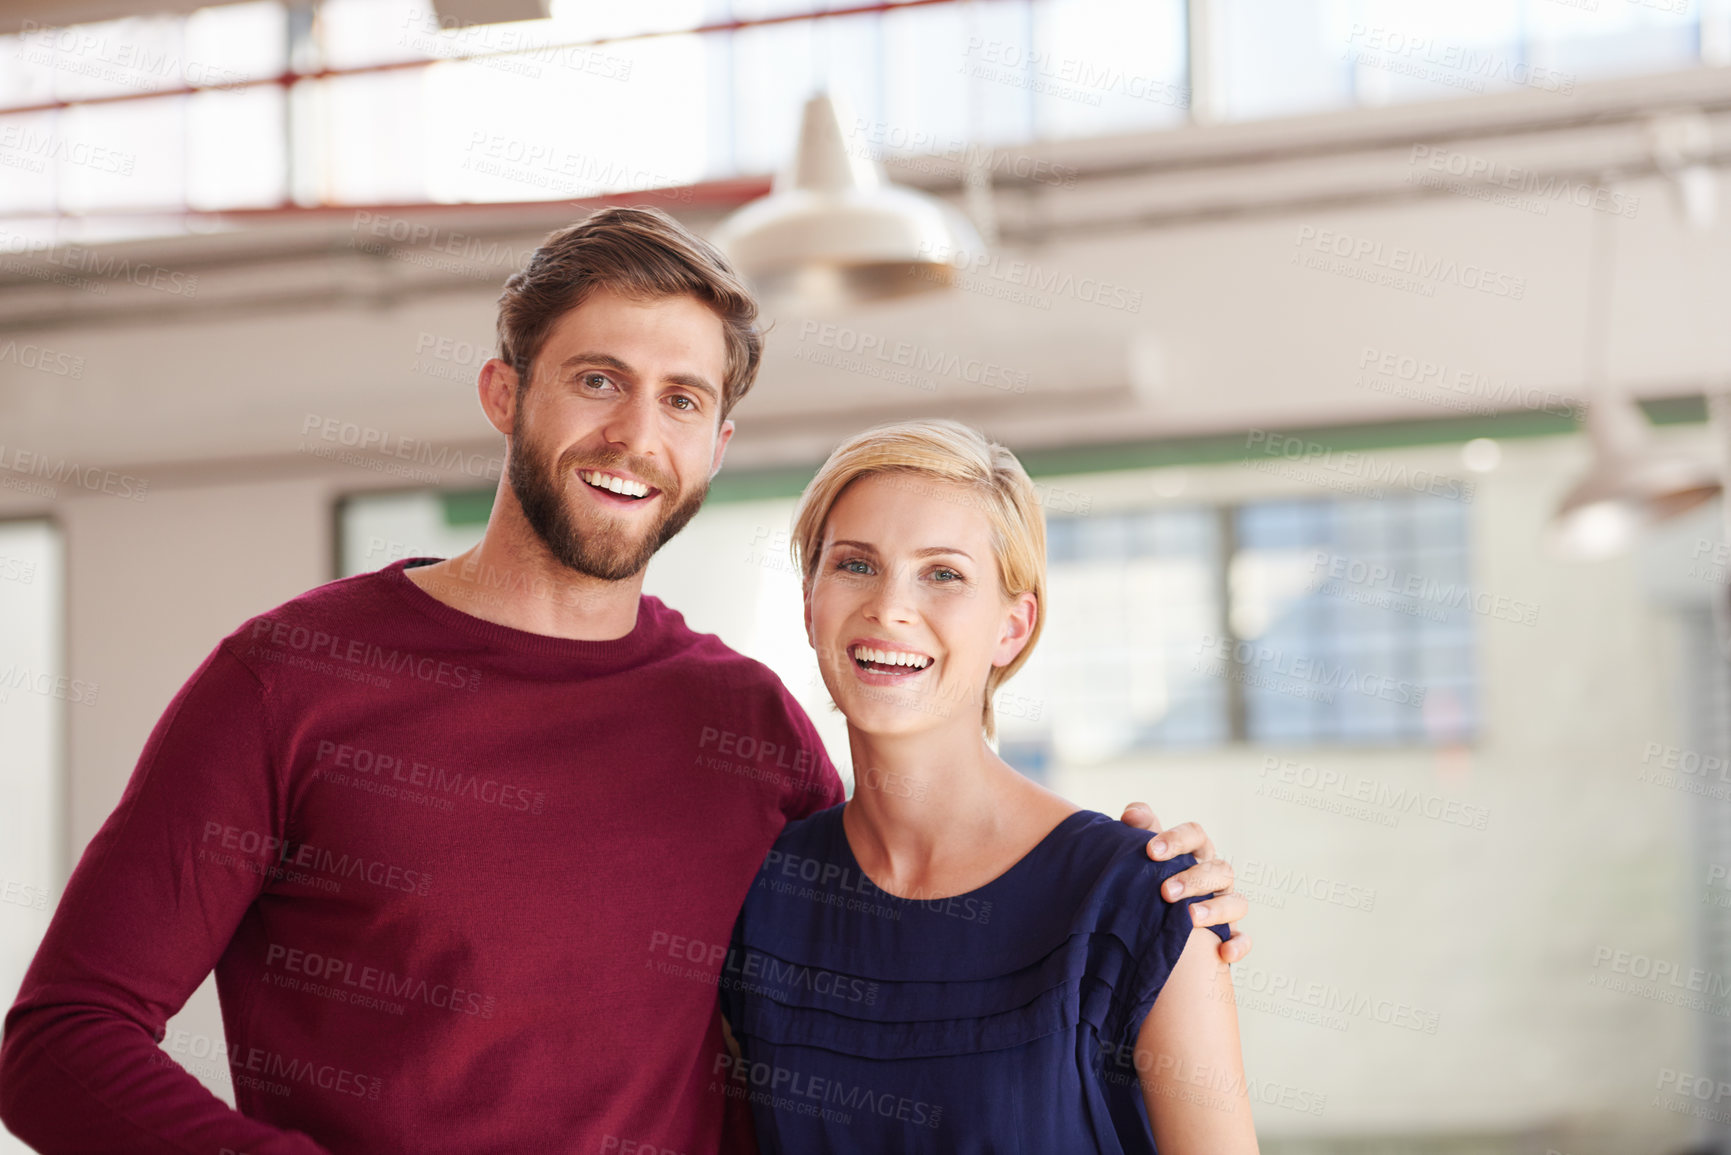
[[681, 401], [596, 380]]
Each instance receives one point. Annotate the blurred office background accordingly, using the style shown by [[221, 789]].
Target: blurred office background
[[1294, 308]]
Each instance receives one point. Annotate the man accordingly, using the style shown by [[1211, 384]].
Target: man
[[463, 840]]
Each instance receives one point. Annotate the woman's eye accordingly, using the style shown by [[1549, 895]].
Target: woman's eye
[[946, 574], [855, 565]]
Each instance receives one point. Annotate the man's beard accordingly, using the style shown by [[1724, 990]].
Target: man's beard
[[608, 552]]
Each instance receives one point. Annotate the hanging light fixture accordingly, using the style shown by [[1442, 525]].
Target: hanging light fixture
[[1629, 485], [834, 230]]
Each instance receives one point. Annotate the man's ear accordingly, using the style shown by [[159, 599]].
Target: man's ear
[[497, 388], [723, 436]]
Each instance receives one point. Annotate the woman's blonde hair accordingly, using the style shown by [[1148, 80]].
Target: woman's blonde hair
[[943, 451]]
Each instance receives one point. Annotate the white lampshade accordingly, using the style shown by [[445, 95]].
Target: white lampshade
[[1628, 486], [834, 230]]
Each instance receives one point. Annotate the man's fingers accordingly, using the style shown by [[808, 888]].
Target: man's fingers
[[1235, 948], [1141, 816], [1203, 878], [1186, 838], [1221, 908]]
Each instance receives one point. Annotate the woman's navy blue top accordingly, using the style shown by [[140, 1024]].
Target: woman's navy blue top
[[1001, 1020]]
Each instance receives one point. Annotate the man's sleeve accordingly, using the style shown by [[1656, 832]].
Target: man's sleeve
[[819, 786], [148, 911]]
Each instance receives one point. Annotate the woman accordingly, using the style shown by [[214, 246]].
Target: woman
[[958, 959]]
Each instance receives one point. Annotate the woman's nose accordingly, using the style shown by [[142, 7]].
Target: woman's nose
[[892, 600]]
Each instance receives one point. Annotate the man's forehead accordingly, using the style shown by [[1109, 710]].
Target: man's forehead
[[606, 310]]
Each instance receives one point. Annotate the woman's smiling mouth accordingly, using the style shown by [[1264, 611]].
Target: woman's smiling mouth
[[880, 664]]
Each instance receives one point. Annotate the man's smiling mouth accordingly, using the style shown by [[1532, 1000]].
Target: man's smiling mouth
[[613, 483]]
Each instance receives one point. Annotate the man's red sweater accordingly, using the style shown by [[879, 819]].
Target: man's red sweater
[[465, 889]]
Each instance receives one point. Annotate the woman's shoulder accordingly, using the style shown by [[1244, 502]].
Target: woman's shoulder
[[812, 836], [1095, 842], [805, 861], [1108, 885]]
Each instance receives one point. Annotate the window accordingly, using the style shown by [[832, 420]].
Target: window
[[431, 111], [1281, 622], [1351, 620], [1282, 57], [1129, 596]]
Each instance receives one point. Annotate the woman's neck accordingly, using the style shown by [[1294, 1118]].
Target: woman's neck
[[939, 813]]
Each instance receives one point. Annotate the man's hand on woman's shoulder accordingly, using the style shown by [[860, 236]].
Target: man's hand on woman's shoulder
[[1212, 876]]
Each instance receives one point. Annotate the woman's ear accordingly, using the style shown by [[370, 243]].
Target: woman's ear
[[1020, 614]]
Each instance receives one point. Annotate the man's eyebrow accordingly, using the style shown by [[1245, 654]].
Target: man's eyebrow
[[693, 381], [605, 360], [608, 361], [929, 551]]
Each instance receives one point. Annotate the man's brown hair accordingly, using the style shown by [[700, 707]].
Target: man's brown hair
[[640, 253]]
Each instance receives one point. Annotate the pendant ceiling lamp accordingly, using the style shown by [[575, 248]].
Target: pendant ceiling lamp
[[1630, 484], [835, 231]]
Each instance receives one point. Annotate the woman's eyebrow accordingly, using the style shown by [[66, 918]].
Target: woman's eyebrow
[[929, 551]]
